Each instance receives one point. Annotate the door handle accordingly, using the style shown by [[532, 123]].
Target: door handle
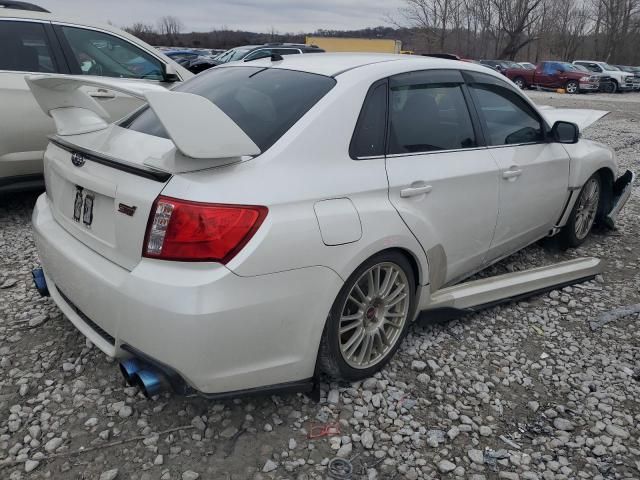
[[102, 93], [512, 173], [415, 190]]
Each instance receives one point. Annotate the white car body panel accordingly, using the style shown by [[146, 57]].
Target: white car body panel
[[532, 200], [239, 326], [474, 172]]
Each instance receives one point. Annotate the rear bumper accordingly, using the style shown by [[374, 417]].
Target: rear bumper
[[218, 331]]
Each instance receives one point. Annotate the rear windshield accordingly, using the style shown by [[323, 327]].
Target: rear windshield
[[264, 102]]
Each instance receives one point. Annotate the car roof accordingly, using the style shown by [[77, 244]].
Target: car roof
[[333, 64]]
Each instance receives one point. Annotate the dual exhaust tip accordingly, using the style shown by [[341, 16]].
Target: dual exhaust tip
[[148, 379]]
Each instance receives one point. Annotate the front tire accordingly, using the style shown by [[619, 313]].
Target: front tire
[[369, 318], [572, 87], [584, 214], [520, 83]]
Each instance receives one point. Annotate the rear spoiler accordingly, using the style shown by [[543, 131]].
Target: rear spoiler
[[197, 127], [583, 117]]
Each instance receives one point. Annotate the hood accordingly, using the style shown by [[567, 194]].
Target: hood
[[581, 117]]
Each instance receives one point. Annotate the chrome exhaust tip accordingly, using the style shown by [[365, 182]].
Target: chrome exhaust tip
[[40, 282], [129, 368], [151, 383]]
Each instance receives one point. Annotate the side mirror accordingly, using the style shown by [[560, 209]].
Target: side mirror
[[565, 132], [169, 73]]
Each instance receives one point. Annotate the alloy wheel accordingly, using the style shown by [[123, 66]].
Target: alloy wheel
[[587, 208], [374, 315], [572, 87]]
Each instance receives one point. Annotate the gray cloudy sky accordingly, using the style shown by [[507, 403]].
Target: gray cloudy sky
[[256, 15]]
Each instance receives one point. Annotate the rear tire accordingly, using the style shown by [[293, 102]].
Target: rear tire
[[587, 210], [369, 318], [572, 87]]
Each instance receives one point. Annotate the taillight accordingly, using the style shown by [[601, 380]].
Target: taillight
[[199, 232]]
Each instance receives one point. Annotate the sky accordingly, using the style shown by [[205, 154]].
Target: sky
[[284, 16]]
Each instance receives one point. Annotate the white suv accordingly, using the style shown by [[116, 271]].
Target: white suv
[[33, 40], [622, 81]]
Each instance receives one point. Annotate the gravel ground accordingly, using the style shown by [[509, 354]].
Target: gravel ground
[[522, 391]]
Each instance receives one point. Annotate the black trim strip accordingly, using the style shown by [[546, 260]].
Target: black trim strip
[[86, 319], [155, 175]]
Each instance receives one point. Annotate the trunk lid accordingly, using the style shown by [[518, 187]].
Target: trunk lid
[[101, 191]]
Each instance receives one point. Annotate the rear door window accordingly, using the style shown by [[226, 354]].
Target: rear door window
[[264, 102], [24, 47], [428, 112], [97, 53]]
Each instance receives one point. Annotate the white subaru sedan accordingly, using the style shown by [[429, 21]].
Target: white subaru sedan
[[269, 220]]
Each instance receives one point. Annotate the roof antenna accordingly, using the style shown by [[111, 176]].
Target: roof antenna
[[276, 57]]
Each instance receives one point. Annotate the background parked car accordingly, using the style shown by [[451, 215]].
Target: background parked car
[[501, 65], [39, 42], [253, 52], [621, 81], [635, 71], [554, 75], [527, 65]]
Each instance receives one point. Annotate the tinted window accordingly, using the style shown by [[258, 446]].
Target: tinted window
[[507, 118], [264, 102], [368, 138], [24, 48], [286, 51], [428, 117], [97, 53]]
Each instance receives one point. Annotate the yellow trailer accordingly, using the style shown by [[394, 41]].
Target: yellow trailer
[[343, 44]]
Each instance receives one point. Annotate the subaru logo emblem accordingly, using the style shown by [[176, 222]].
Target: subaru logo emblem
[[77, 159]]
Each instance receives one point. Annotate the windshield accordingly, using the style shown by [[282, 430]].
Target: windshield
[[263, 102], [581, 68], [232, 55], [606, 66]]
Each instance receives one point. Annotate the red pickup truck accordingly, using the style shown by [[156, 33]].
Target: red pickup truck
[[554, 75]]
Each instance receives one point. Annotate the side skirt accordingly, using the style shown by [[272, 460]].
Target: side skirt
[[470, 297]]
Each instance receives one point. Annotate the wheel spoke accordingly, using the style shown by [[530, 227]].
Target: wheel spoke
[[397, 300], [377, 279], [355, 316], [365, 350], [354, 342], [351, 326], [393, 295], [359, 291], [357, 302], [389, 284]]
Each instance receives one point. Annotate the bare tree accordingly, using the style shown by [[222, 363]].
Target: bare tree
[[170, 27], [515, 18]]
